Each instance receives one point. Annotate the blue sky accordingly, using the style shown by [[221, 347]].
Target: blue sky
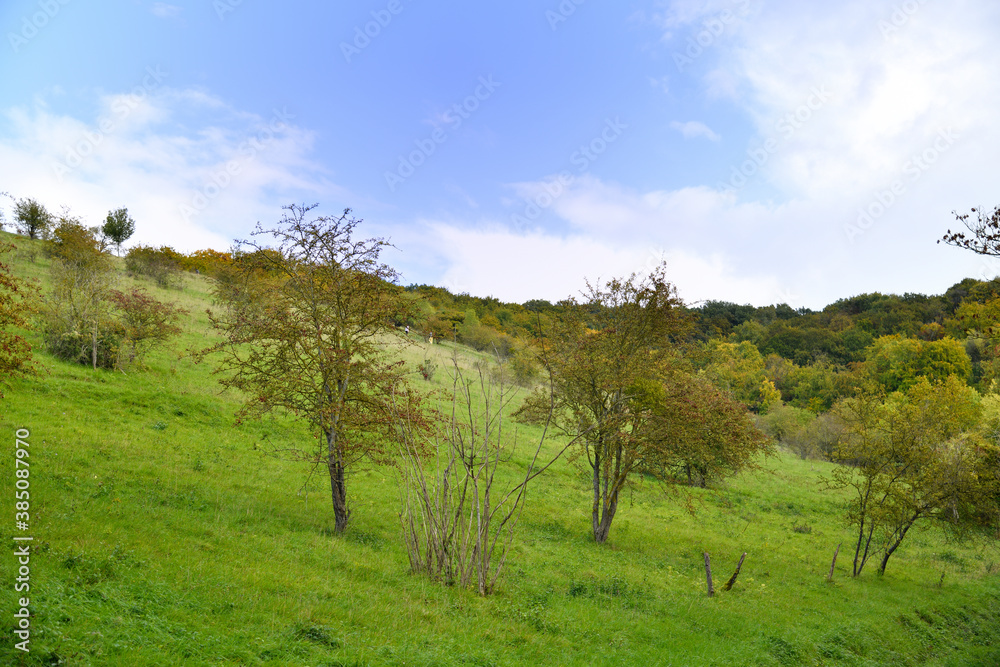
[[770, 152]]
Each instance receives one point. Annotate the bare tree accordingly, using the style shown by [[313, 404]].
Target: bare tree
[[458, 522], [985, 230]]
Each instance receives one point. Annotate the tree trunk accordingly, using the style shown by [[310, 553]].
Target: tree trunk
[[857, 548], [891, 549], [602, 529], [708, 575], [338, 485], [595, 514], [861, 558]]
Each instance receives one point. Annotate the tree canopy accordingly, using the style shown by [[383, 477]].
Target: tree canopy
[[119, 227], [911, 456], [303, 326], [619, 385], [31, 218]]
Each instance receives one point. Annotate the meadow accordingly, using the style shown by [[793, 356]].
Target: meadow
[[164, 534]]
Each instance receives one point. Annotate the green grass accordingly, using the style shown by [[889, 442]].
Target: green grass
[[165, 535]]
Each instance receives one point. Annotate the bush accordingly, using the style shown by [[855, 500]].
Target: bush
[[427, 369], [818, 439], [116, 333], [144, 323], [802, 432], [75, 344], [524, 366], [76, 321], [208, 262], [161, 265], [71, 242]]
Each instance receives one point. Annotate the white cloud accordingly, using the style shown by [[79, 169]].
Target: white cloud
[[163, 10], [193, 172], [693, 129], [515, 267], [889, 94]]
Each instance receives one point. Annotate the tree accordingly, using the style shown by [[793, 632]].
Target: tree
[[985, 230], [898, 363], [16, 304], [70, 241], [703, 432], [31, 218], [909, 457], [739, 369], [119, 227], [303, 331], [607, 358], [77, 316]]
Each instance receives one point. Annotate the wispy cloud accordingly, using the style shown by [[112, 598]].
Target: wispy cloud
[[164, 11], [694, 129]]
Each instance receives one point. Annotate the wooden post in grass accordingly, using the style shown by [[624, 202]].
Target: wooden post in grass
[[829, 577], [732, 579], [708, 575]]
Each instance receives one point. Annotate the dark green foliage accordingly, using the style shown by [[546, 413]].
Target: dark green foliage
[[31, 218], [118, 227]]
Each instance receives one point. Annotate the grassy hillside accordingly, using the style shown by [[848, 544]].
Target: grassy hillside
[[165, 535]]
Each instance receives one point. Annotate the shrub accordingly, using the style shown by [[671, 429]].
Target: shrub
[[427, 369], [105, 327], [818, 438], [524, 366], [76, 321], [161, 265], [144, 323], [208, 262], [782, 421], [70, 241]]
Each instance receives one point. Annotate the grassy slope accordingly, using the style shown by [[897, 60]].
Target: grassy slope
[[165, 535]]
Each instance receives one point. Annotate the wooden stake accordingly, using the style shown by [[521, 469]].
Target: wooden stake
[[732, 579], [708, 575], [829, 577]]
